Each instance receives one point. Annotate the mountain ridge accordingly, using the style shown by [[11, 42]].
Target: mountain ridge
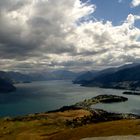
[[124, 77]]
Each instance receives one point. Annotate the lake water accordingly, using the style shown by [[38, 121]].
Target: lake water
[[49, 95]]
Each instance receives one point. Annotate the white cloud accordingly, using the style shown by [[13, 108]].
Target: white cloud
[[48, 34], [135, 3]]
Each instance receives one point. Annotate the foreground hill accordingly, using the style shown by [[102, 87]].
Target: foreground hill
[[127, 137], [52, 126], [71, 123]]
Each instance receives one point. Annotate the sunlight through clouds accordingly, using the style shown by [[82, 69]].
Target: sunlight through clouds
[[37, 32]]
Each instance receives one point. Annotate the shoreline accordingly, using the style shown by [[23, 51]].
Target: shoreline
[[99, 114], [70, 123]]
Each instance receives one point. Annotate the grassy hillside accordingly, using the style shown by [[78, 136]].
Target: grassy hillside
[[52, 126]]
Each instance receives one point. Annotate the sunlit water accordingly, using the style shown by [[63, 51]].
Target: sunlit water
[[49, 95]]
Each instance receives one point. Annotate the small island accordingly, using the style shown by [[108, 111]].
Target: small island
[[131, 93]]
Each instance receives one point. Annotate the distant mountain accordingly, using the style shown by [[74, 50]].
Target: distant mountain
[[63, 74], [110, 78], [53, 75], [86, 76], [6, 86], [14, 77], [89, 75], [124, 77], [17, 77], [131, 65]]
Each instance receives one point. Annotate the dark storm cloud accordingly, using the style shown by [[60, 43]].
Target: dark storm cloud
[[40, 32]]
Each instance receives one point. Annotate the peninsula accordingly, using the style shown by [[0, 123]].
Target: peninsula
[[70, 122]]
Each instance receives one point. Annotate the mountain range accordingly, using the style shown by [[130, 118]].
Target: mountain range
[[8, 79], [17, 77], [124, 77]]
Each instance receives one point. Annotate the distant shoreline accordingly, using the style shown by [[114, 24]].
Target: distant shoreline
[[131, 93]]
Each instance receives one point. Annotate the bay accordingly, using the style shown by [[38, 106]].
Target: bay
[[49, 95]]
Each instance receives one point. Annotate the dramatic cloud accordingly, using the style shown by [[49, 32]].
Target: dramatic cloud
[[51, 34]]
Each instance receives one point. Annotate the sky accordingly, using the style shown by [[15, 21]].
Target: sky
[[77, 35]]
